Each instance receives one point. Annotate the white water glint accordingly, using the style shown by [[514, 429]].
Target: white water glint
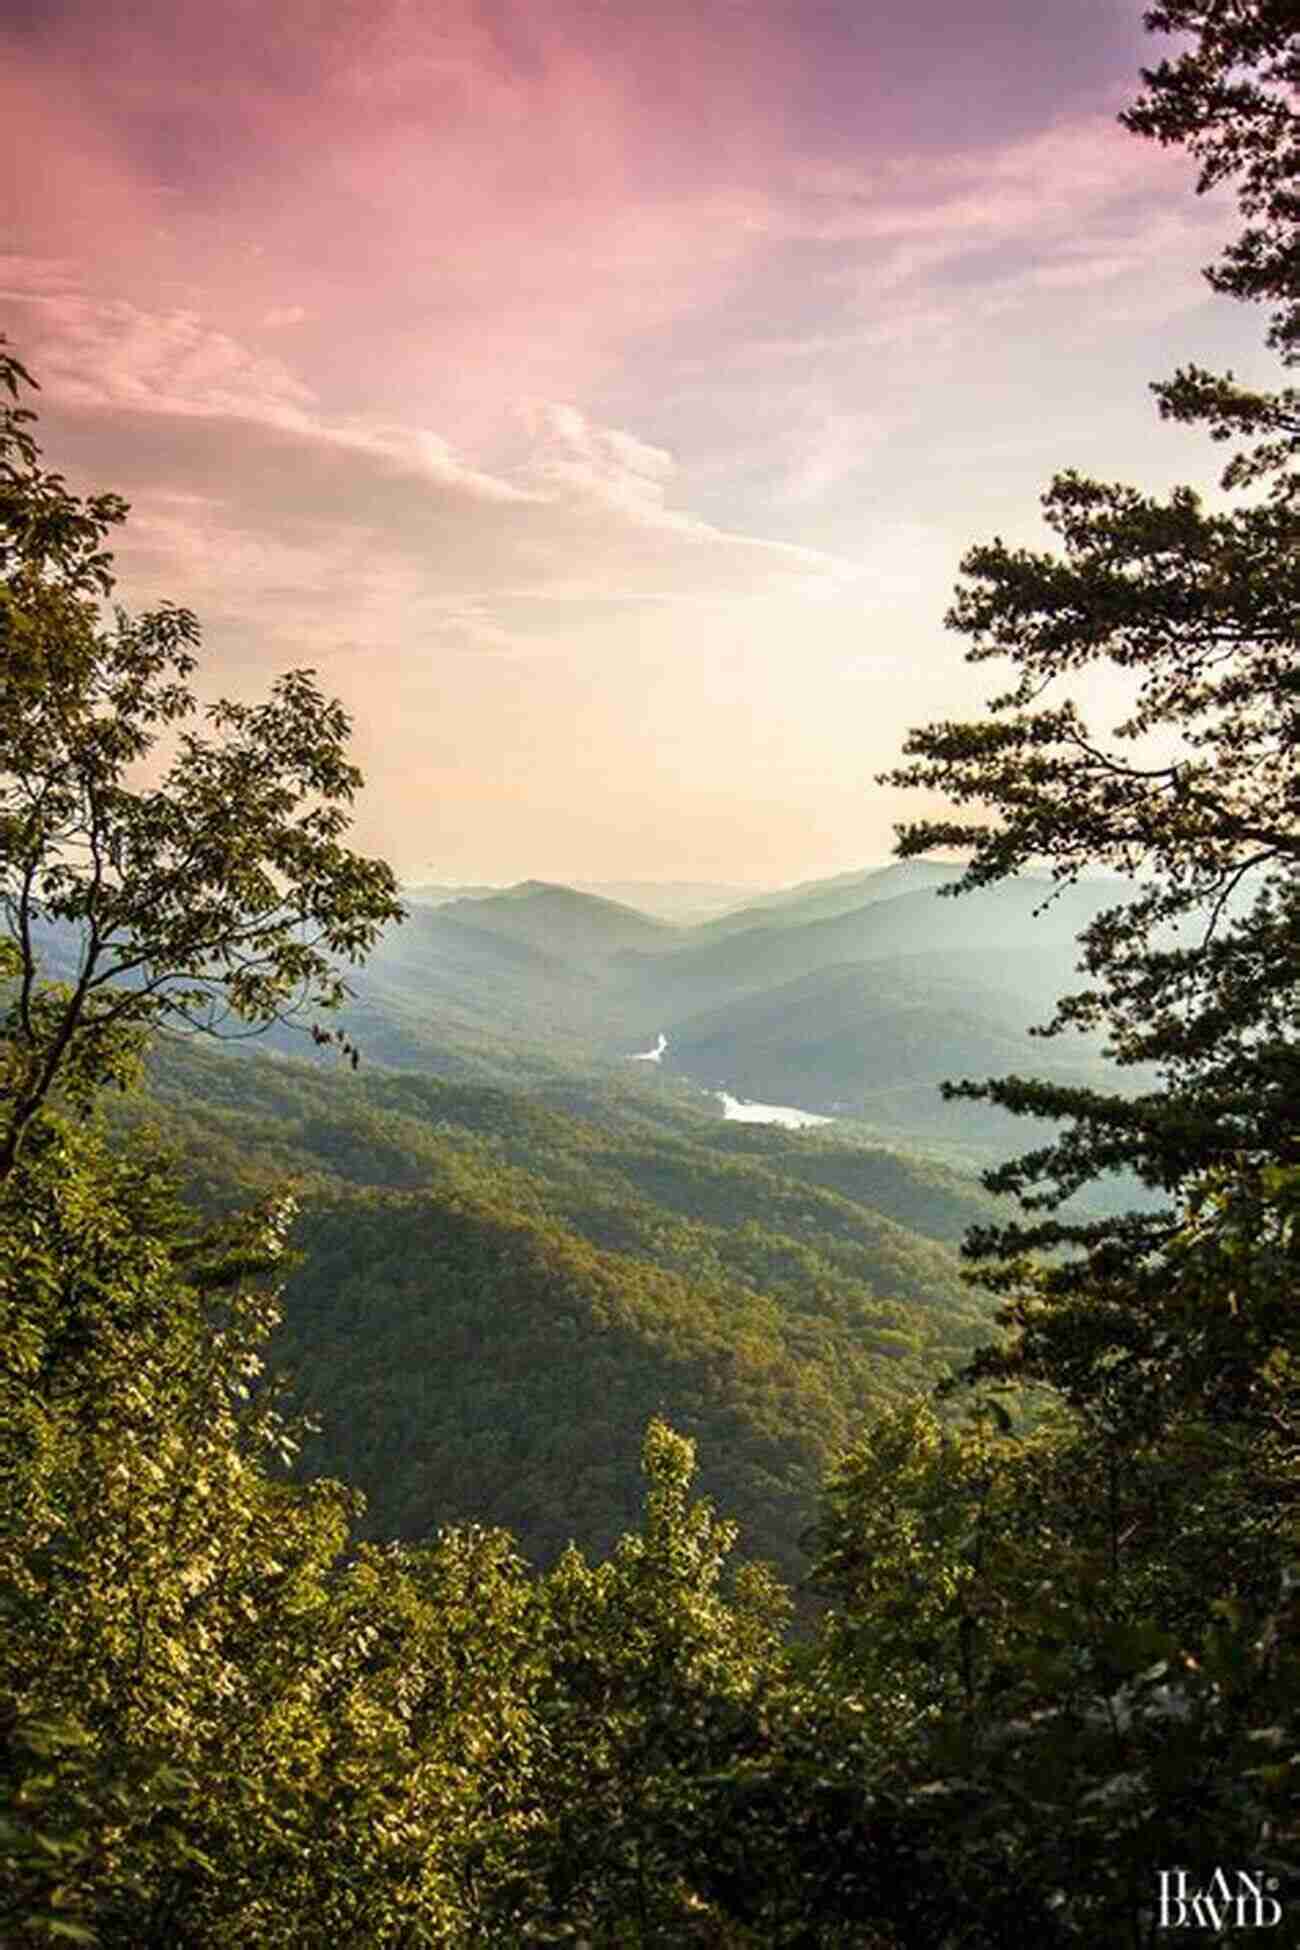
[[738, 1109], [741, 1112]]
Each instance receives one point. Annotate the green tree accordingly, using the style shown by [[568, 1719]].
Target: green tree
[[652, 1676], [217, 1726], [221, 892], [1193, 616], [1230, 99], [147, 1559], [1078, 1644]]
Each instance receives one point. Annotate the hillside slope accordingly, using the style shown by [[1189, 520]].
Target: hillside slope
[[571, 926], [875, 1039], [822, 900], [496, 1295]]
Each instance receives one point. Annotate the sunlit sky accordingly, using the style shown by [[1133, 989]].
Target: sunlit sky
[[599, 396]]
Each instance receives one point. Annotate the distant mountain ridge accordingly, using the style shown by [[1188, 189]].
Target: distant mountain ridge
[[568, 924], [820, 900], [686, 903], [713, 967], [777, 1002]]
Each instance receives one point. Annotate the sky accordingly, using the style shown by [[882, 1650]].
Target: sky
[[598, 395]]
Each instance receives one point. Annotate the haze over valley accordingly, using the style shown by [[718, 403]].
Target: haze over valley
[[521, 1241], [853, 997]]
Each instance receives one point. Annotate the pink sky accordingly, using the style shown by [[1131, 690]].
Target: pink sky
[[598, 396]]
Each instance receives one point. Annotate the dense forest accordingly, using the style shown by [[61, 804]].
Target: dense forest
[[493, 1292], [955, 1604]]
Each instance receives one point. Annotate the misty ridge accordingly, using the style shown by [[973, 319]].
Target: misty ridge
[[853, 996]]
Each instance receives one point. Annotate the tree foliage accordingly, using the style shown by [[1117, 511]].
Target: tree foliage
[[219, 1725], [1088, 1630], [221, 892], [1190, 619], [1201, 613], [1230, 100]]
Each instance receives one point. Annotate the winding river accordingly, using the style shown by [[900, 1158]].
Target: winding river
[[738, 1109]]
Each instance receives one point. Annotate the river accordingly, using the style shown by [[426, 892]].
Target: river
[[738, 1109]]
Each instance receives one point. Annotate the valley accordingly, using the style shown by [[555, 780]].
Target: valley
[[853, 998], [532, 1220]]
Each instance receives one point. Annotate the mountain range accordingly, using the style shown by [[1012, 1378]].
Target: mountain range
[[853, 997], [685, 901]]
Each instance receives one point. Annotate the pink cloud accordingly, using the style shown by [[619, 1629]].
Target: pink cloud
[[502, 358], [110, 353], [283, 521], [473, 205]]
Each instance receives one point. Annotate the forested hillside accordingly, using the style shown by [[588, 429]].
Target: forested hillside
[[876, 1039], [496, 1294]]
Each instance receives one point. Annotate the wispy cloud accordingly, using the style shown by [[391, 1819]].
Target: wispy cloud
[[329, 527], [602, 396]]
